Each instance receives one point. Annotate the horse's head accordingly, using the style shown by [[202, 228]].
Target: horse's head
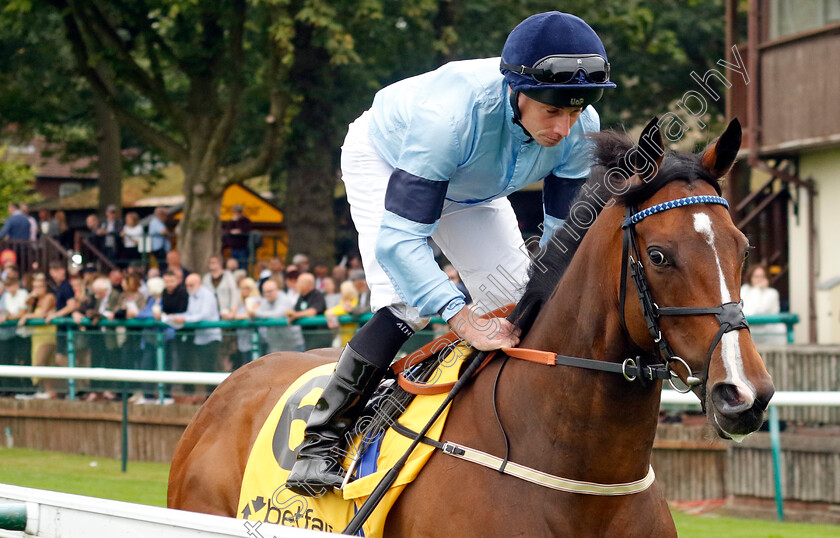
[[691, 255]]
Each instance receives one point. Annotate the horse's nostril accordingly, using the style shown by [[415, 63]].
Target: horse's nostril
[[762, 399], [729, 400]]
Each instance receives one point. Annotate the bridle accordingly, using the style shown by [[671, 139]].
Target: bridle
[[730, 315]]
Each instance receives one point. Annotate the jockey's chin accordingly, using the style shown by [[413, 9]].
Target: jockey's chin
[[548, 141]]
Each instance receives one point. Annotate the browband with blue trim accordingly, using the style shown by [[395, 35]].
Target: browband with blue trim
[[658, 208]]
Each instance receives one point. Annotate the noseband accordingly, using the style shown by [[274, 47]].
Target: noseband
[[730, 315]]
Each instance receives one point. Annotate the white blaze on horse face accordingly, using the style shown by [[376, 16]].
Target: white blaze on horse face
[[730, 347]]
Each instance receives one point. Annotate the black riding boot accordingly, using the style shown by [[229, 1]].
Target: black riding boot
[[318, 467]]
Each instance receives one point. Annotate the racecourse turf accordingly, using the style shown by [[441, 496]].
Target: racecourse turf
[[145, 483]]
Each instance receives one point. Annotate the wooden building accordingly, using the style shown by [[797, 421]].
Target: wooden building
[[787, 186]]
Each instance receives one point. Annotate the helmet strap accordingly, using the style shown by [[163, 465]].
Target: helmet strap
[[517, 115]]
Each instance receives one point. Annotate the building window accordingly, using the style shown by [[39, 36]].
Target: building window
[[66, 189], [789, 17]]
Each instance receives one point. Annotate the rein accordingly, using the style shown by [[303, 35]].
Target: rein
[[730, 316]]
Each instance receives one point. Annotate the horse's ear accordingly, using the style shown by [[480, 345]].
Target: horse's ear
[[647, 160], [720, 157]]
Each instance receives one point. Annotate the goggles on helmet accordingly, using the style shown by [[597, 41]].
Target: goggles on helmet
[[564, 68]]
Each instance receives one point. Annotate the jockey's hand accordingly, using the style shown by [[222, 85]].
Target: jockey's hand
[[484, 334]]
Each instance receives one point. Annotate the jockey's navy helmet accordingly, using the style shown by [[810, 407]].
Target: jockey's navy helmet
[[557, 59]]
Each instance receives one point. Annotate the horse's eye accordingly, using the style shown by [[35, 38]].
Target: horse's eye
[[657, 257], [747, 253]]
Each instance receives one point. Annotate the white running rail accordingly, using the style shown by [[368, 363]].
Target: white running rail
[[60, 515]]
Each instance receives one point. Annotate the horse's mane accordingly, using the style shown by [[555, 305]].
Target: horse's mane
[[608, 151]]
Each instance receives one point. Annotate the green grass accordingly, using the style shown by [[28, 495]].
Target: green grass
[[709, 525], [145, 483]]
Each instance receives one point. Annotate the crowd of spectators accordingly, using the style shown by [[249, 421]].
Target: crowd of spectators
[[165, 291]]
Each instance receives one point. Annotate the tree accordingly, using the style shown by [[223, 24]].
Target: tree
[[16, 183], [41, 95], [176, 75], [229, 89]]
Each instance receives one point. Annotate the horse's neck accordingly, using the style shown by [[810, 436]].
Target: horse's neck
[[588, 417]]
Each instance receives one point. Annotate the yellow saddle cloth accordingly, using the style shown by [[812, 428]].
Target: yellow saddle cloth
[[264, 497]]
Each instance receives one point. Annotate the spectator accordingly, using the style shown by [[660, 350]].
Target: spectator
[[760, 298], [290, 281], [110, 231], [357, 277], [202, 306], [103, 342], [132, 299], [89, 274], [275, 305], [339, 274], [237, 234], [276, 266], [262, 273], [63, 289], [246, 308], [321, 272], [310, 302], [38, 305], [81, 300], [8, 259], [66, 236], [232, 265], [302, 262], [179, 274], [348, 299], [116, 278], [355, 263], [153, 309], [175, 298], [65, 304], [223, 285], [92, 232], [16, 226], [33, 224], [159, 237], [331, 294], [133, 238], [173, 261], [14, 346], [48, 225]]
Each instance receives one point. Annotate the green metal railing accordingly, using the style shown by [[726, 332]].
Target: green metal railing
[[311, 326]]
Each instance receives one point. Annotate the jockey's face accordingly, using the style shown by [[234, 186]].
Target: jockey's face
[[547, 124]]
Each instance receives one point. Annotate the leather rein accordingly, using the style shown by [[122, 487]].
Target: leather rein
[[730, 316]]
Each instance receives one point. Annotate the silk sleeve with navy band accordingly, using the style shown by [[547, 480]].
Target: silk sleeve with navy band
[[413, 207], [558, 195]]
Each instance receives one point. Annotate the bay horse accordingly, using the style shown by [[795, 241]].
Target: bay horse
[[645, 226]]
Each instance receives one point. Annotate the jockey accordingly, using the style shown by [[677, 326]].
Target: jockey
[[435, 157]]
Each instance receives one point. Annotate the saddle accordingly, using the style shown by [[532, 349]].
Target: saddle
[[416, 386], [369, 454]]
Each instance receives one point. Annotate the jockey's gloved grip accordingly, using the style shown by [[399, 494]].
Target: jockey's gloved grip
[[379, 340]]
